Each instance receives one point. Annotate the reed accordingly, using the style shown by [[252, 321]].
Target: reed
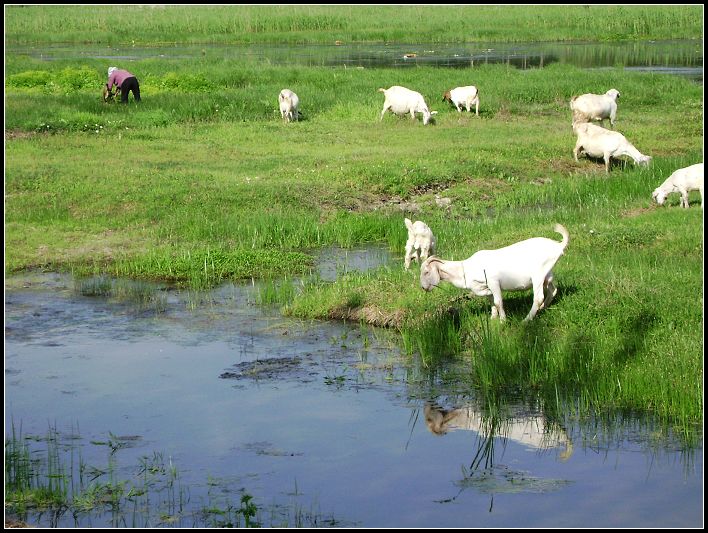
[[347, 24]]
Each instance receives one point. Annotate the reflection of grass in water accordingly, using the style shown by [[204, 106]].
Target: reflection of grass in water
[[47, 485]]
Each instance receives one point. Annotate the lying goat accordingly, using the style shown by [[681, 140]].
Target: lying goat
[[420, 243], [516, 267], [682, 181]]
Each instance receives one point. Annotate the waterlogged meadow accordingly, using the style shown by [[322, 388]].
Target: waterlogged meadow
[[202, 184]]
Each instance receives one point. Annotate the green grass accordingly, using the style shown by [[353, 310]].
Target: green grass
[[195, 188], [149, 25]]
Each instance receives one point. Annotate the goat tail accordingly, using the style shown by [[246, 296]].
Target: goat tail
[[566, 236], [381, 90]]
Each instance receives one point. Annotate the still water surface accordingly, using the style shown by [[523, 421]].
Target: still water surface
[[327, 418], [682, 57]]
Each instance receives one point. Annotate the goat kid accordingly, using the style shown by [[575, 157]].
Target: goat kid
[[420, 243], [516, 267]]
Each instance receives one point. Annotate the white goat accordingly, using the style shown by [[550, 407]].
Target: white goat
[[289, 103], [467, 96], [589, 107], [420, 243], [599, 142], [682, 181], [516, 267], [400, 101]]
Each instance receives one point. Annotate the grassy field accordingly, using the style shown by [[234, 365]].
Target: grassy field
[[202, 182], [150, 25]]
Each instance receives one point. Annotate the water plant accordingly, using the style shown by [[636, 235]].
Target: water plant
[[45, 484]]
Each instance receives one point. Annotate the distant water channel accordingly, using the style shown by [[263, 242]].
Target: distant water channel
[[323, 423], [681, 57]]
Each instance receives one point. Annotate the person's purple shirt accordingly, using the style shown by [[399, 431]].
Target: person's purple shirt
[[117, 77]]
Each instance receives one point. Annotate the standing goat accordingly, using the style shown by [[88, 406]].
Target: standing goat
[[420, 243], [516, 267], [463, 96], [401, 101], [289, 103], [599, 142], [589, 107], [682, 181]]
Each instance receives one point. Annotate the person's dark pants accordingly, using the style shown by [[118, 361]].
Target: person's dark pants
[[130, 84]]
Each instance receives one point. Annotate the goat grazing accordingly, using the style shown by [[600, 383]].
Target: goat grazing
[[515, 267], [599, 142], [289, 103], [682, 181], [589, 107], [463, 96], [420, 243], [400, 101]]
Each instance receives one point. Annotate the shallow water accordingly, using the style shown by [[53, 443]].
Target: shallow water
[[326, 418], [683, 57]]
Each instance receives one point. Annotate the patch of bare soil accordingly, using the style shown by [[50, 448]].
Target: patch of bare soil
[[16, 134], [370, 315], [12, 522]]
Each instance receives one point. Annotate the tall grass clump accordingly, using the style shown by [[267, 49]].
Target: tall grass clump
[[34, 481], [144, 296]]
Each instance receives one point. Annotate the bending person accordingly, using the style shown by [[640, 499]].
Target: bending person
[[125, 81]]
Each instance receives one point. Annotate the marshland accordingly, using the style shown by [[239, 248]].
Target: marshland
[[207, 310]]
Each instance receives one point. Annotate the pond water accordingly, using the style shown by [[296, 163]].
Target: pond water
[[324, 424], [683, 57]]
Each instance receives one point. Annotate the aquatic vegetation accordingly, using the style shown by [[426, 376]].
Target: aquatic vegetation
[[47, 486]]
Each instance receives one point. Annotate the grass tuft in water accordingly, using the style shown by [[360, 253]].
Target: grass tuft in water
[[46, 485]]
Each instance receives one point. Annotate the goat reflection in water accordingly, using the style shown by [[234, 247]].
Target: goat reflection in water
[[532, 430]]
